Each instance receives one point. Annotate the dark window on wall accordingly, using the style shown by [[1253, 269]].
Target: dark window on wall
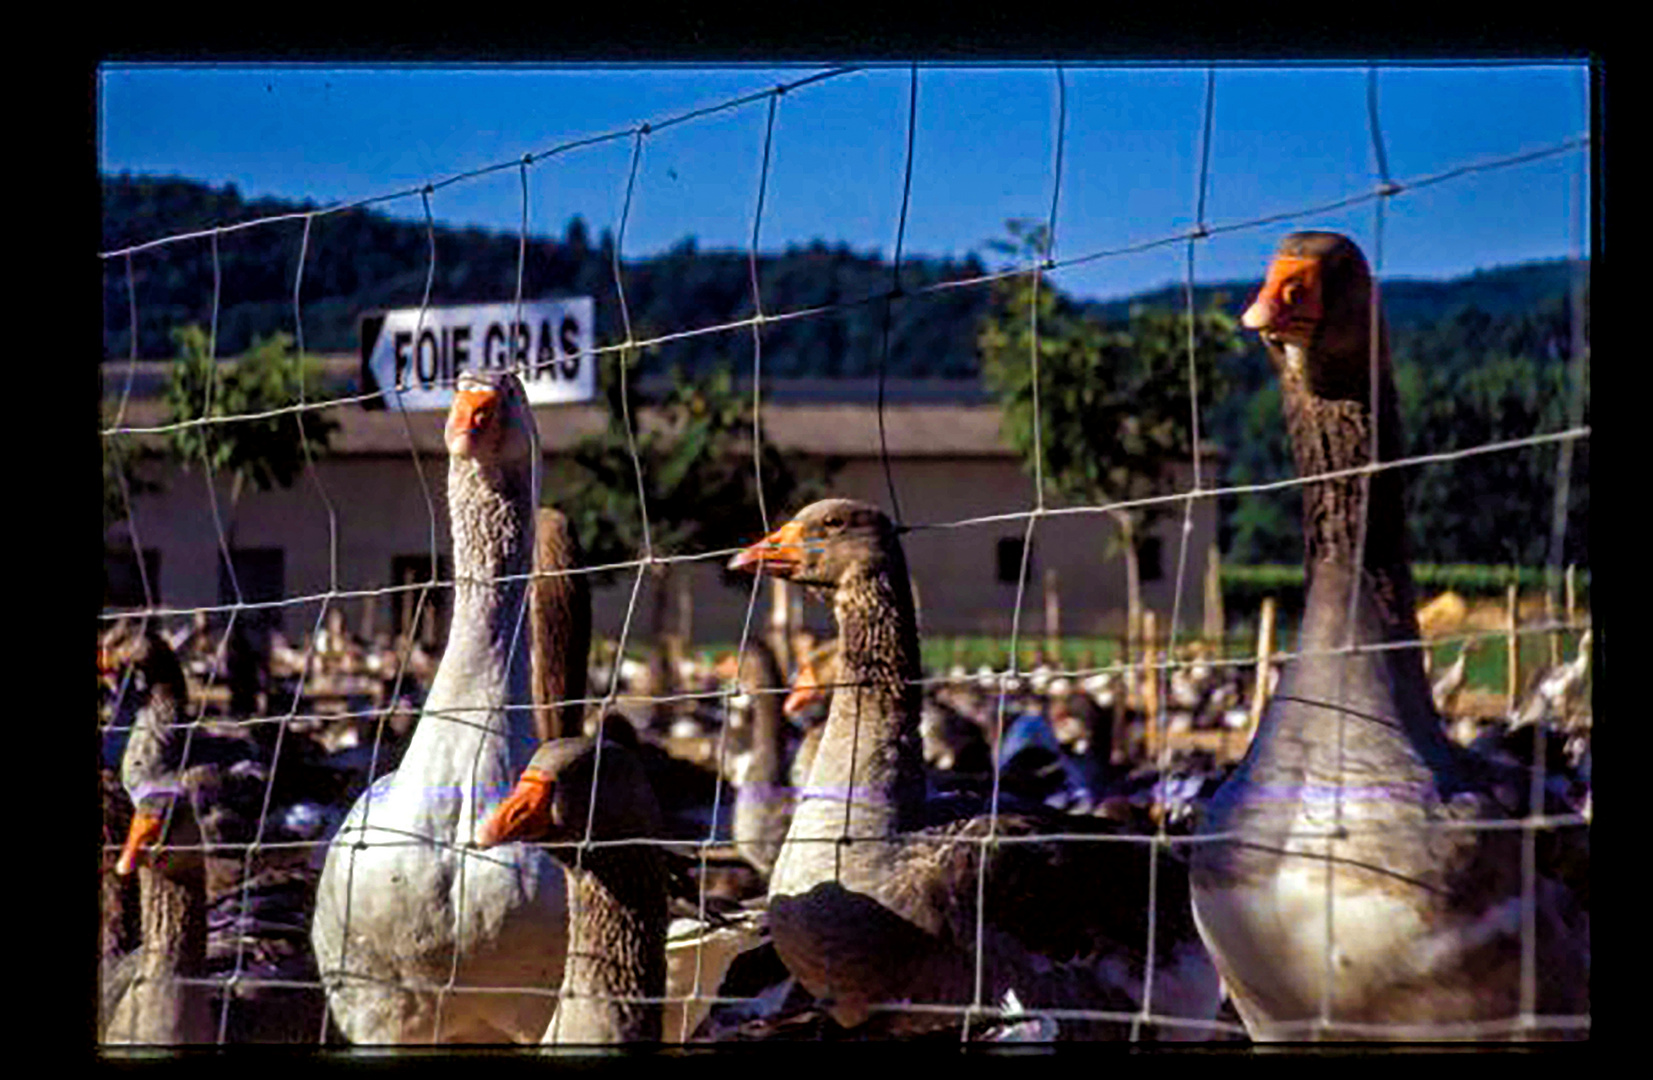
[[1008, 557], [123, 582], [1149, 559], [433, 621], [262, 575]]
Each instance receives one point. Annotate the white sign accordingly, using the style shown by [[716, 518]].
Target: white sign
[[551, 347]]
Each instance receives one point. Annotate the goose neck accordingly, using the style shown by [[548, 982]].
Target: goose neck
[[617, 948], [1332, 433], [493, 525], [173, 912], [872, 745]]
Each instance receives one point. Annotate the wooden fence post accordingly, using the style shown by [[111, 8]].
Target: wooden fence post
[[369, 621], [1214, 625], [780, 624], [1053, 617], [1512, 684], [1554, 633], [1150, 685]]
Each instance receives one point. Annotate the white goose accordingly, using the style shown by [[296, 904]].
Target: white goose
[[417, 934], [1425, 921]]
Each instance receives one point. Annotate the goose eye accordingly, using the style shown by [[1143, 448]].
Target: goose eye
[[833, 522]]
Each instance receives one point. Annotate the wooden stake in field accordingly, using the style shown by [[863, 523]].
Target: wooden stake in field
[[780, 623], [1265, 657], [1053, 616], [1150, 685], [1554, 633], [1214, 625], [1512, 684]]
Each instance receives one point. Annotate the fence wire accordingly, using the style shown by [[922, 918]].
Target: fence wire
[[1006, 679]]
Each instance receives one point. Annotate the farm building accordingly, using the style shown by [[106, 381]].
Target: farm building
[[947, 459]]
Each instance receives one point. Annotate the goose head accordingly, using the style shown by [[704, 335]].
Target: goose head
[[552, 801], [490, 421], [165, 831], [1314, 313], [146, 654], [826, 543]]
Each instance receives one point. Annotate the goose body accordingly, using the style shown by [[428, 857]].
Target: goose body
[[1424, 919], [872, 903], [406, 914]]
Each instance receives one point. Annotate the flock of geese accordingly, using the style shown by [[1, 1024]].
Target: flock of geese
[[1354, 877]]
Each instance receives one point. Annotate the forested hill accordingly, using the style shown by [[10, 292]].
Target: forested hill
[[364, 259], [1477, 359]]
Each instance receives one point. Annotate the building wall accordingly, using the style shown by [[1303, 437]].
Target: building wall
[[380, 511]]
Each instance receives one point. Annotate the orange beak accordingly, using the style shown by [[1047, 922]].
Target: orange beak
[[472, 409], [144, 832], [1290, 297], [524, 815], [780, 553], [804, 691]]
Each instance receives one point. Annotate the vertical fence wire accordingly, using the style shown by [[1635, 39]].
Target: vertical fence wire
[[1161, 673], [409, 641]]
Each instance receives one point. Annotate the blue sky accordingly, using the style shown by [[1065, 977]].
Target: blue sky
[[1283, 138]]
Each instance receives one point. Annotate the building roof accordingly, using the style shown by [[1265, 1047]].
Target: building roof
[[933, 418]]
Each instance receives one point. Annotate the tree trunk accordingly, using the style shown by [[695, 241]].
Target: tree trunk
[[1133, 585], [662, 669]]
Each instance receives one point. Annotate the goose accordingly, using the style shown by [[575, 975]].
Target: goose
[[1554, 689], [763, 798], [560, 614], [158, 995], [708, 934], [872, 902], [1425, 921], [578, 789], [118, 910], [255, 903], [416, 935], [1445, 688]]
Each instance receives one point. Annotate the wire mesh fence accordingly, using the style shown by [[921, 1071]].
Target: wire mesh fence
[[985, 1010]]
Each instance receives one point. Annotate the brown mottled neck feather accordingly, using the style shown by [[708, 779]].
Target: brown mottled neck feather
[[879, 666], [617, 903], [561, 615]]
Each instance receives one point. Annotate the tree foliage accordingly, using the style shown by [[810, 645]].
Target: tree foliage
[[124, 458], [695, 448], [266, 451], [1496, 507], [1114, 400]]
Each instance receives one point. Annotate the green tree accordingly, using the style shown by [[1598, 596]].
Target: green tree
[[1114, 401], [1492, 508], [265, 451], [695, 448], [124, 457]]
